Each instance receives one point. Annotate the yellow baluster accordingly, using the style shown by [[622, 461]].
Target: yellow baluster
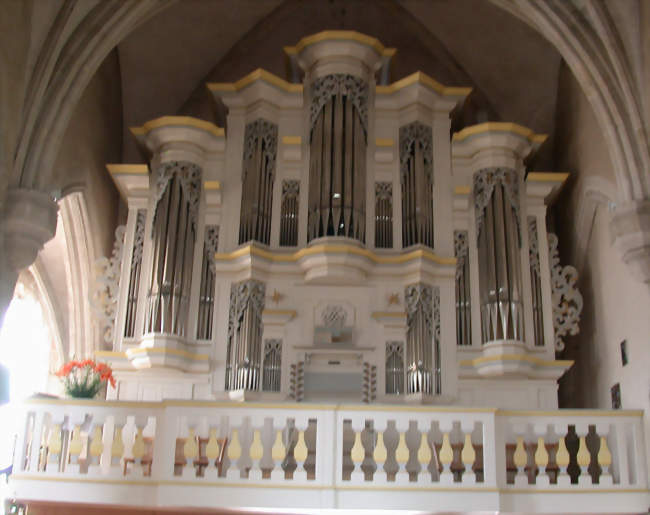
[[234, 448], [190, 448], [446, 452], [138, 445], [604, 456], [562, 457], [380, 454], [300, 450], [402, 451], [256, 450], [96, 446], [424, 451], [468, 454], [357, 453], [117, 448], [212, 447], [54, 444], [583, 456], [520, 457], [278, 451], [76, 444]]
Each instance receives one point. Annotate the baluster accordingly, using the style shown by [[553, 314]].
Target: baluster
[[402, 452], [212, 451], [446, 455], [521, 460], [380, 453], [95, 450], [139, 448], [278, 453], [562, 457], [424, 458], [584, 456], [357, 453], [74, 450], [36, 441], [54, 446], [190, 452], [234, 453], [604, 456], [256, 452], [541, 456], [468, 457], [300, 453], [117, 451]]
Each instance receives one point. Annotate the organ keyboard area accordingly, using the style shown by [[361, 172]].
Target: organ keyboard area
[[334, 240]]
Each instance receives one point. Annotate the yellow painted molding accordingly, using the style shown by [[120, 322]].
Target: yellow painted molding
[[251, 250], [388, 314], [514, 128], [291, 140], [462, 190], [547, 177], [517, 357], [425, 80], [259, 74], [570, 413], [96, 403], [110, 354], [340, 35], [178, 121], [212, 185], [173, 352], [127, 169], [384, 142]]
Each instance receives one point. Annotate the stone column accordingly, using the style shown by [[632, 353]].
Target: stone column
[[631, 231], [28, 221]]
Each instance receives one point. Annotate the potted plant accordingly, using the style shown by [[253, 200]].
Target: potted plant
[[84, 379]]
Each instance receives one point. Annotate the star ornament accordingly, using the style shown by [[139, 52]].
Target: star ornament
[[276, 297], [393, 298]]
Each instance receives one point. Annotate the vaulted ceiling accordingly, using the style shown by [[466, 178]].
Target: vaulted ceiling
[[166, 61]]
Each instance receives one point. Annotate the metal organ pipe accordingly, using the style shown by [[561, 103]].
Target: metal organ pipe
[[463, 295], [176, 201], [535, 281], [258, 174], [384, 215], [496, 198], [289, 213], [337, 167], [134, 276]]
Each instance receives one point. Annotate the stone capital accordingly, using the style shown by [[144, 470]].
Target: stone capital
[[29, 221], [630, 227]]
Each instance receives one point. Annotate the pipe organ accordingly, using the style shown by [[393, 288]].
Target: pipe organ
[[303, 237]]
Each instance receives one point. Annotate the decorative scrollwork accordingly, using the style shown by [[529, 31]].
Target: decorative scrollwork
[[412, 134], [138, 238], [419, 296], [533, 246], [103, 296], [354, 88], [484, 182], [566, 299], [384, 191], [211, 243], [290, 188], [266, 131], [189, 176], [334, 316]]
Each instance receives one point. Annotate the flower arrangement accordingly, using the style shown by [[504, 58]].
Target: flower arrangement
[[84, 379]]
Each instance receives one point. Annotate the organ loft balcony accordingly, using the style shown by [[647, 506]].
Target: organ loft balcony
[[336, 297]]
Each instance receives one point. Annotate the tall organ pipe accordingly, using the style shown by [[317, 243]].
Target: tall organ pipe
[[496, 198], [258, 174], [176, 201], [337, 167]]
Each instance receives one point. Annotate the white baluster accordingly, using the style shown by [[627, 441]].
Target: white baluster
[[139, 448], [117, 449], [74, 450], [278, 453], [424, 457], [37, 439], [54, 447], [234, 454], [256, 451], [520, 456], [212, 452], [95, 450], [191, 453], [300, 451]]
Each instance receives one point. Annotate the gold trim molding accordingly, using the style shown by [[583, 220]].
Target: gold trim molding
[[254, 76], [178, 121], [127, 169], [513, 128], [547, 177], [340, 35], [425, 80]]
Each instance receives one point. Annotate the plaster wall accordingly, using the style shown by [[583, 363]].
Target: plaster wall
[[616, 305]]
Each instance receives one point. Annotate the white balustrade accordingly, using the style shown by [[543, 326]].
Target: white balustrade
[[333, 447]]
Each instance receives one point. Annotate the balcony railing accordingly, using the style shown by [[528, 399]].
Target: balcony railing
[[191, 453]]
